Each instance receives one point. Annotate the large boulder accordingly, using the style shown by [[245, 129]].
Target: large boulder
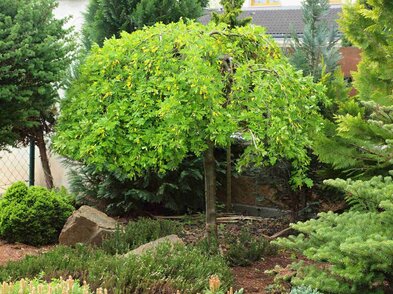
[[87, 225], [171, 239]]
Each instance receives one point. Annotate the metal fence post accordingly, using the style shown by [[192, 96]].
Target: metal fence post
[[31, 163]]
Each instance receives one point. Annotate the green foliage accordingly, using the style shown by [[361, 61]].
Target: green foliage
[[232, 10], [182, 268], [35, 51], [137, 233], [363, 139], [149, 12], [32, 215], [304, 290], [245, 248], [353, 250], [149, 100], [315, 52], [107, 18], [180, 190]]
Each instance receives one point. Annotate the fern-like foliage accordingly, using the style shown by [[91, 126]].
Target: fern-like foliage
[[352, 251], [180, 190]]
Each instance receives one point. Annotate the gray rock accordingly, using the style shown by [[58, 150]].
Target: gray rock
[[171, 239], [87, 225]]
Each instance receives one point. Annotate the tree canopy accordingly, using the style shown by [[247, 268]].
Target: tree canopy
[[34, 54], [150, 98], [107, 18]]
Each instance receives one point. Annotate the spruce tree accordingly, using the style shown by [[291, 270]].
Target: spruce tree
[[35, 52], [316, 52]]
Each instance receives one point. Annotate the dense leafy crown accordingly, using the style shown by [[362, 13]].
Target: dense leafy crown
[[150, 98], [34, 54]]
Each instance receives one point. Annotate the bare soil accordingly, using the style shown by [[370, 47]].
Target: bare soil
[[13, 252]]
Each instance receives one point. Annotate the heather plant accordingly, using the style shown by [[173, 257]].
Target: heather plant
[[168, 267], [246, 248], [33, 215], [137, 233]]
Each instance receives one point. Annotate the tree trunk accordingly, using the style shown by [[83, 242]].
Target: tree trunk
[[210, 190], [229, 179], [40, 142]]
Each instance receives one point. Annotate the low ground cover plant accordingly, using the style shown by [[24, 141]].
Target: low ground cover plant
[[166, 269], [137, 233], [246, 248], [33, 215]]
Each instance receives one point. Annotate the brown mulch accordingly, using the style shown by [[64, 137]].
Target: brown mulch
[[13, 252], [253, 278]]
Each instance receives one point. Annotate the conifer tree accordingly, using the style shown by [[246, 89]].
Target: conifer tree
[[315, 52], [363, 143], [107, 18], [35, 52], [230, 16], [353, 251]]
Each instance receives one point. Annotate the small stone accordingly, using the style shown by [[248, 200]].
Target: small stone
[[171, 239]]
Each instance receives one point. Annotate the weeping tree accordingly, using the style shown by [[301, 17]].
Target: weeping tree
[[34, 55], [230, 16], [151, 98]]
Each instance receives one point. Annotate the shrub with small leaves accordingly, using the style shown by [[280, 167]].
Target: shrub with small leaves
[[169, 268], [33, 215], [138, 233], [245, 248]]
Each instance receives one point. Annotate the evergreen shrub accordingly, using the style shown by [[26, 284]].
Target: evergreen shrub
[[33, 215], [353, 251], [167, 269]]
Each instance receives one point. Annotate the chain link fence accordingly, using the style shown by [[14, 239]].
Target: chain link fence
[[14, 166]]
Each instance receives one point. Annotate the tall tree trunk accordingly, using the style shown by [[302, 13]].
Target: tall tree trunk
[[40, 142], [229, 179], [210, 190]]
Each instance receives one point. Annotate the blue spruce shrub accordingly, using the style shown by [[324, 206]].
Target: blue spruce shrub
[[32, 215]]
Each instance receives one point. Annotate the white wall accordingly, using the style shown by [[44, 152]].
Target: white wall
[[73, 8], [263, 4]]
